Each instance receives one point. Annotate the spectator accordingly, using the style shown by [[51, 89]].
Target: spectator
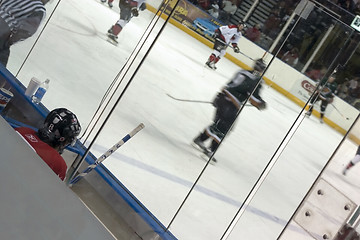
[[349, 5], [214, 11], [60, 129], [229, 9], [204, 4], [272, 24], [291, 57], [354, 90], [343, 89], [20, 26], [317, 73], [253, 34]]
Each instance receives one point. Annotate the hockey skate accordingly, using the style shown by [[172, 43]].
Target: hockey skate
[[198, 144], [210, 65], [207, 154], [112, 38], [344, 171]]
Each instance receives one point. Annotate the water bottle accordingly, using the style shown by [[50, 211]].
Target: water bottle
[[41, 91]]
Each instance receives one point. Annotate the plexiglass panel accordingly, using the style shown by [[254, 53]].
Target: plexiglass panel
[[332, 201], [156, 75], [73, 52], [259, 148]]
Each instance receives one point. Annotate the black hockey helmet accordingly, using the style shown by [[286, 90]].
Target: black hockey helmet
[[241, 22], [259, 65], [61, 127]]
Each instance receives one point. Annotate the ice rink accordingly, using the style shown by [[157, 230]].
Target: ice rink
[[159, 166]]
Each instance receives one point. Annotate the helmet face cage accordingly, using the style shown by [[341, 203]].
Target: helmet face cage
[[61, 127], [242, 23]]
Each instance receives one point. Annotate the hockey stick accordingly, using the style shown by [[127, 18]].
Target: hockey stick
[[243, 54], [229, 45], [340, 112], [106, 155], [188, 100], [196, 101]]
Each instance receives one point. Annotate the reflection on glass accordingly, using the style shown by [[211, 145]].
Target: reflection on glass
[[270, 200], [170, 92]]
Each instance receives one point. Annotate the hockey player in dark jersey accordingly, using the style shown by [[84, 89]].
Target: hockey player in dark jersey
[[128, 9], [19, 20], [228, 102], [326, 93], [225, 35]]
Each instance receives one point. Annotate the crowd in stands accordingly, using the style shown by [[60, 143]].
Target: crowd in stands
[[348, 90], [352, 6], [220, 9]]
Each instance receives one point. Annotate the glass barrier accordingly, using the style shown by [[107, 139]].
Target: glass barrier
[[156, 75], [294, 170], [330, 208]]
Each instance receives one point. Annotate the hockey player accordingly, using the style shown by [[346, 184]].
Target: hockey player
[[225, 35], [352, 163], [19, 20], [326, 93], [60, 129], [128, 9], [227, 104], [110, 2]]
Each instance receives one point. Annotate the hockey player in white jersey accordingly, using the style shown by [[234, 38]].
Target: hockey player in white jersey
[[352, 162], [128, 9], [224, 36]]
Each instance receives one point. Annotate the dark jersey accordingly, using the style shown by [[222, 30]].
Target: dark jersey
[[328, 89], [241, 86]]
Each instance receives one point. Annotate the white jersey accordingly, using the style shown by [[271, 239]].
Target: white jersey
[[230, 33], [139, 2]]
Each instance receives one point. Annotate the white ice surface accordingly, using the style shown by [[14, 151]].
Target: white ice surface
[[158, 165]]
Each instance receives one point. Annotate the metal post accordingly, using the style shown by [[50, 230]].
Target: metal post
[[318, 48], [250, 10], [303, 9]]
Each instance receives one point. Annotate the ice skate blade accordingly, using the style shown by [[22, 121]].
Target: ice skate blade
[[112, 41], [206, 159], [197, 147], [210, 67]]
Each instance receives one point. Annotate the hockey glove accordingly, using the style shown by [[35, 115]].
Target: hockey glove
[[260, 105], [142, 6], [134, 12], [216, 33], [236, 49], [330, 100], [216, 101]]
